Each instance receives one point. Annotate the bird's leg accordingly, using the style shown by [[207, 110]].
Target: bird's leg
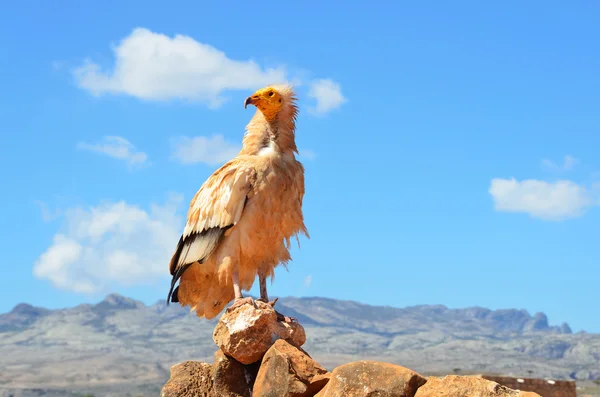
[[264, 297], [239, 299], [236, 284], [263, 287]]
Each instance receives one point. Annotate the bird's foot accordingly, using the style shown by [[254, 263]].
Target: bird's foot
[[280, 317], [239, 302], [271, 303], [285, 319]]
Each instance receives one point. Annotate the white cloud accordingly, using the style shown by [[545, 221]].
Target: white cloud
[[214, 150], [116, 147], [111, 244], [308, 281], [545, 200], [157, 67], [328, 95], [57, 262], [568, 163]]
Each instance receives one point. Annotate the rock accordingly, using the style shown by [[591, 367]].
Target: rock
[[372, 378], [287, 370], [188, 379], [466, 386], [543, 387], [539, 322], [231, 378], [248, 331], [565, 329], [21, 317]]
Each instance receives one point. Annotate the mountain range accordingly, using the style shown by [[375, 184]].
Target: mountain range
[[122, 347]]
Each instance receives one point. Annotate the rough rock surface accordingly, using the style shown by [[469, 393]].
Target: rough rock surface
[[467, 386], [231, 378], [188, 379], [543, 387], [248, 331], [371, 378], [287, 370]]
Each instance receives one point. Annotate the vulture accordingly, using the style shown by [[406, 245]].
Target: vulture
[[241, 220]]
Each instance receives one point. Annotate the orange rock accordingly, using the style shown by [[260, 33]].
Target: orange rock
[[289, 371], [466, 386], [371, 378], [188, 379], [248, 331], [231, 378]]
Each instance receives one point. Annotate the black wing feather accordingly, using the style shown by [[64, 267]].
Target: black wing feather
[[213, 233]]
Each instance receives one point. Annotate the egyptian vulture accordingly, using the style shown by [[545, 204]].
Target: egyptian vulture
[[242, 218]]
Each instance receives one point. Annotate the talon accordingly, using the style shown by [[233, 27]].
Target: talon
[[271, 303], [239, 302], [286, 319]]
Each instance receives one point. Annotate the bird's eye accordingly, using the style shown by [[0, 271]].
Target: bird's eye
[[270, 93]]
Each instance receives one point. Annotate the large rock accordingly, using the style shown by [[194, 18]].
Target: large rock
[[189, 379], [543, 387], [467, 386], [371, 378], [249, 330], [287, 370], [231, 378]]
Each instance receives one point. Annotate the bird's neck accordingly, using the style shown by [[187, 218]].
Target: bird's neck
[[275, 136]]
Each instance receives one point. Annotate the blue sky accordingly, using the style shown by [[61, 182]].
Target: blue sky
[[450, 149]]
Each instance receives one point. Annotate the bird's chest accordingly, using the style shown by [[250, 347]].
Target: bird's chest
[[274, 188], [274, 201]]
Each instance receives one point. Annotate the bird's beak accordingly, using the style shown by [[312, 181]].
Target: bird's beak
[[248, 101]]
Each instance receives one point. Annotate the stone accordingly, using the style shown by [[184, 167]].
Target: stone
[[231, 378], [371, 378], [188, 379], [287, 370], [543, 387], [249, 330], [466, 386]]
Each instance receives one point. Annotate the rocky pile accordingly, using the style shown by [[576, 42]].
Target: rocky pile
[[260, 355]]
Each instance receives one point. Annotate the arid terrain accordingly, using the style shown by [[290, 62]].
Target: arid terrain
[[121, 347]]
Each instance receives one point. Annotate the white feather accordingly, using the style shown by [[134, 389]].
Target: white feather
[[269, 150]]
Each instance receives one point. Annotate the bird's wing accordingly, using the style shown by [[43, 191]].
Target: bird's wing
[[217, 206]]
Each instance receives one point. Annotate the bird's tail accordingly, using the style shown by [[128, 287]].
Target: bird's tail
[[204, 291]]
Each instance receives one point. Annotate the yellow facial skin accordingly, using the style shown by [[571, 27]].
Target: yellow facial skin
[[267, 100]]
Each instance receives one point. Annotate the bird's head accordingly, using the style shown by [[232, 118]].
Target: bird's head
[[268, 100]]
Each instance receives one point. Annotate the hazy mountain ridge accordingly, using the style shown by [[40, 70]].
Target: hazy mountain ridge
[[383, 319], [122, 342]]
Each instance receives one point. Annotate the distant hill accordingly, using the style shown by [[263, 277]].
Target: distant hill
[[121, 345]]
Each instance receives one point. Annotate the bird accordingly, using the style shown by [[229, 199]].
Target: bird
[[241, 221]]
